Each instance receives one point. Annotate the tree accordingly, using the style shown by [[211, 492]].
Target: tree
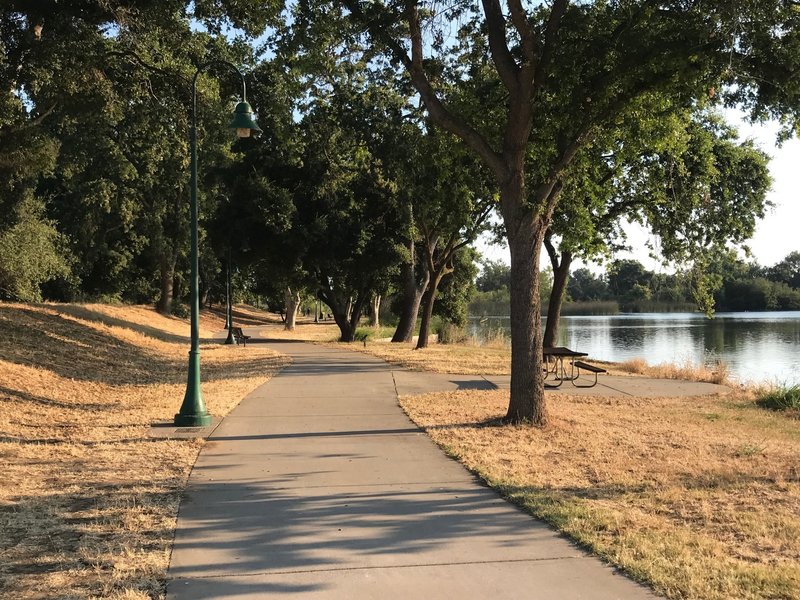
[[585, 286], [495, 275], [30, 253], [686, 179], [347, 201], [787, 270], [458, 289], [535, 60], [111, 83], [453, 204]]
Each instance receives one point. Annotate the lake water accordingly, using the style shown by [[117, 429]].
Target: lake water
[[757, 346]]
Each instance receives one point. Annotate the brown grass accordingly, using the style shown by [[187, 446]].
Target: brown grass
[[462, 359], [720, 373], [88, 501], [699, 497]]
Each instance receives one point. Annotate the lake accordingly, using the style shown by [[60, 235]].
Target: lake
[[757, 346]]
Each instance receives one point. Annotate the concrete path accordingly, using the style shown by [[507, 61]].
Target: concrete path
[[415, 382], [318, 486]]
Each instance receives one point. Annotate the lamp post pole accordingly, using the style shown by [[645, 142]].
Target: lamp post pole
[[193, 411], [228, 302]]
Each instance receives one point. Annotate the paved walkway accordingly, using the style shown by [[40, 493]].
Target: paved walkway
[[318, 486]]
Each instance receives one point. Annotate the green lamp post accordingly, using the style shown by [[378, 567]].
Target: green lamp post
[[193, 411], [228, 302]]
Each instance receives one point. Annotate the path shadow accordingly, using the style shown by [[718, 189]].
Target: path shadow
[[272, 530]]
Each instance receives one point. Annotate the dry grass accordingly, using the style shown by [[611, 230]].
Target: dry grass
[[88, 501], [688, 371], [699, 497], [462, 359]]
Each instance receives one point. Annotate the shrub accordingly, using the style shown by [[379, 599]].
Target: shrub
[[783, 398], [451, 334]]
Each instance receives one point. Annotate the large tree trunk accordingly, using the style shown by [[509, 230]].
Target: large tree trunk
[[292, 300], [375, 311], [412, 297], [346, 313], [428, 301], [167, 267], [527, 401], [347, 333], [560, 279]]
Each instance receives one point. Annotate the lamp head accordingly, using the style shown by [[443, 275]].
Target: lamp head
[[244, 121]]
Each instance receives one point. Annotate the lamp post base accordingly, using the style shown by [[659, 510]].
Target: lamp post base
[[193, 411], [201, 420]]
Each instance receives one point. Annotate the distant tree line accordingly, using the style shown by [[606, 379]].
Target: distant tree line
[[627, 286]]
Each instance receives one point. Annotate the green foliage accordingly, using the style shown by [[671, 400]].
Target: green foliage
[[782, 397], [586, 286], [450, 333], [495, 275], [31, 253], [457, 289], [787, 271]]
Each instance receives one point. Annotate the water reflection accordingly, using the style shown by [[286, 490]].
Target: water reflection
[[756, 346]]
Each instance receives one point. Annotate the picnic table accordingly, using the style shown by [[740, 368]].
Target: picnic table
[[555, 355]]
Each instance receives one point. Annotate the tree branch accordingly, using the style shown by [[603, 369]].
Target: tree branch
[[530, 48], [551, 249], [414, 65], [506, 66], [550, 34]]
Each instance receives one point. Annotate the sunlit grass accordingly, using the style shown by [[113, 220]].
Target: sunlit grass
[[88, 501], [698, 497], [688, 371]]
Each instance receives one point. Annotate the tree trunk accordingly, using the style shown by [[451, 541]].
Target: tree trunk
[[375, 311], [428, 301], [527, 403], [412, 297], [292, 300], [347, 333], [560, 279], [168, 261]]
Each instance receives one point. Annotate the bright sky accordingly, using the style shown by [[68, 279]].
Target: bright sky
[[776, 235]]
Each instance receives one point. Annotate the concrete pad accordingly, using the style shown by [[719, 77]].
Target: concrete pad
[[167, 430], [411, 383]]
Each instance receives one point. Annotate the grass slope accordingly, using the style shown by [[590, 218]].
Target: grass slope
[[88, 502]]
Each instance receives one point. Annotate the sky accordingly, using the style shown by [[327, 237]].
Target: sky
[[777, 234]]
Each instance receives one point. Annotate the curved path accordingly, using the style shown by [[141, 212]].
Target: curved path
[[318, 486]]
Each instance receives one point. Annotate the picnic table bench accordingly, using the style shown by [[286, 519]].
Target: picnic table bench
[[579, 364], [557, 354], [239, 336]]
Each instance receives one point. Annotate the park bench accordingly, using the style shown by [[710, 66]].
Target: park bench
[[239, 336], [579, 364]]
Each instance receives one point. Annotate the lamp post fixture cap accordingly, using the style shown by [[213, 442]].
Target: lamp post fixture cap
[[244, 120]]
